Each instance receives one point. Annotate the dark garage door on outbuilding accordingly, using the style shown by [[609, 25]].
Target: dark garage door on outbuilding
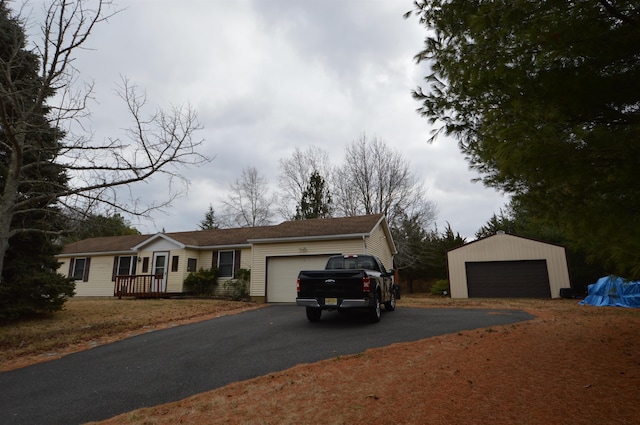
[[508, 279]]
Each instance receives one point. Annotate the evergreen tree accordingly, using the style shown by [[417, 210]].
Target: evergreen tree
[[440, 244], [96, 225], [544, 99], [29, 281], [316, 200], [210, 221], [414, 253]]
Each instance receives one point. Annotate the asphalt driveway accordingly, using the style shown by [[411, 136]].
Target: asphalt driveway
[[169, 365]]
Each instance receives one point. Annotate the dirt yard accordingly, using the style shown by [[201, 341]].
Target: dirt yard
[[571, 365]]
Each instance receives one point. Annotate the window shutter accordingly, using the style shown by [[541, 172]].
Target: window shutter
[[145, 264], [114, 272], [174, 263], [135, 264], [214, 259], [72, 262], [236, 262], [85, 277]]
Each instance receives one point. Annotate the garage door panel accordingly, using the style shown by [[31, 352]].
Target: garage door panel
[[508, 279], [282, 273]]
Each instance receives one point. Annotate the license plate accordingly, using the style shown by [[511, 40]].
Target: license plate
[[331, 301]]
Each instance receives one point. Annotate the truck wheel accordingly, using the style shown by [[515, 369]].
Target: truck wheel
[[391, 304], [313, 314], [376, 312]]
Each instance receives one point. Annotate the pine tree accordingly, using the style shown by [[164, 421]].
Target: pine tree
[[29, 281], [316, 200], [543, 98], [210, 221]]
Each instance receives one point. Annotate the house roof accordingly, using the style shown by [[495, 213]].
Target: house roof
[[301, 229], [105, 244]]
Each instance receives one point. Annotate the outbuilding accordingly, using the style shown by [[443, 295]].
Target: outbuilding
[[507, 266]]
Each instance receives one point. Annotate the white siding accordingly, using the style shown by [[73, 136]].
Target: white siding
[[503, 247], [160, 244], [100, 283], [175, 280], [378, 245]]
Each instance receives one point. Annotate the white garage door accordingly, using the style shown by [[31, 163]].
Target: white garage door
[[282, 273]]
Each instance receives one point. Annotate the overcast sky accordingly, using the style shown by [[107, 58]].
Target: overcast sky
[[267, 76]]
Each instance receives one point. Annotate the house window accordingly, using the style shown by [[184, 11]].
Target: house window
[[126, 265], [174, 263], [192, 264], [78, 268], [225, 263]]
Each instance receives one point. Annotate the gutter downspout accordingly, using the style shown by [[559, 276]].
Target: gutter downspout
[[364, 243]]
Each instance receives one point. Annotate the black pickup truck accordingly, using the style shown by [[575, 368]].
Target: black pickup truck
[[347, 282]]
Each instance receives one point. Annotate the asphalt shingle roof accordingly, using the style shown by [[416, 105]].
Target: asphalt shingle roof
[[314, 228]]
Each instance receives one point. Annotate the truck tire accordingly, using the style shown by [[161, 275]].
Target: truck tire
[[376, 311], [313, 314], [391, 304]]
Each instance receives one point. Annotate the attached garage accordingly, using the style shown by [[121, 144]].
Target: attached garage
[[507, 266], [282, 273]]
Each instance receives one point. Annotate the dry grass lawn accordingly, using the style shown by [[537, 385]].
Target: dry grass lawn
[[571, 365]]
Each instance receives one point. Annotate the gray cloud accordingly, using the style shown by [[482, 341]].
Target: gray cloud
[[269, 76]]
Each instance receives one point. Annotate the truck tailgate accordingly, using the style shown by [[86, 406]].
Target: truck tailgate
[[331, 283]]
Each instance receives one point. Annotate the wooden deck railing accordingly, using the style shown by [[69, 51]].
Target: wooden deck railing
[[139, 286]]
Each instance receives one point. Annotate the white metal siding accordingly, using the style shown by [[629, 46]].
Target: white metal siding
[[282, 273]]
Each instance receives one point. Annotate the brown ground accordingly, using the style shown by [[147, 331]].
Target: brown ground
[[571, 365]]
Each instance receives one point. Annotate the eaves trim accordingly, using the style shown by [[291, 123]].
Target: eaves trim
[[208, 247], [157, 236], [94, 253], [310, 238]]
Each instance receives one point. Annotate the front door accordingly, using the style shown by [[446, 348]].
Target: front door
[[160, 266]]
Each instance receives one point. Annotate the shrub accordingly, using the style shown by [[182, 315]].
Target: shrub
[[441, 287], [39, 292], [202, 282], [238, 288]]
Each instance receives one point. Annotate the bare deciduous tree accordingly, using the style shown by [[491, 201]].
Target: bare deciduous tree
[[98, 172], [248, 204], [294, 177], [376, 179]]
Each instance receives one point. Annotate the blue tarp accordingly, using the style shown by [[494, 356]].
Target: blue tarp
[[613, 291]]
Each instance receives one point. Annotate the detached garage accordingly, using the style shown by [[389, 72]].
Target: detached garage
[[507, 266]]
